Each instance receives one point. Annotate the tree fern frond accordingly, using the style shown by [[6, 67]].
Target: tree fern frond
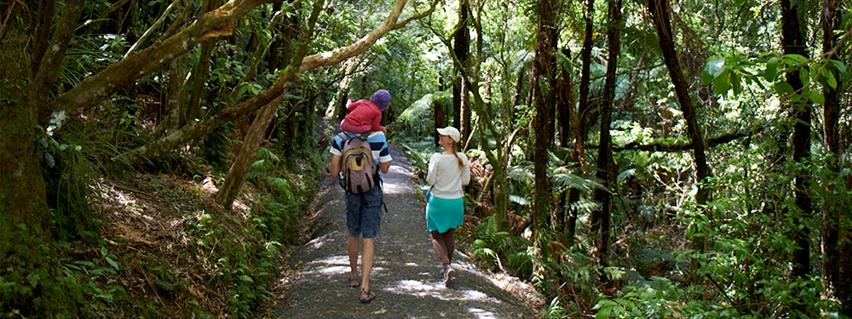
[[521, 174], [260, 165], [625, 174], [266, 153], [584, 206], [562, 181], [520, 200]]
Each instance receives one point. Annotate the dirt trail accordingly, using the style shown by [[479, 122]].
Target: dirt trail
[[406, 275]]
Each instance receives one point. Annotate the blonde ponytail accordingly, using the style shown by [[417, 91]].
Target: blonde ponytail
[[459, 161]]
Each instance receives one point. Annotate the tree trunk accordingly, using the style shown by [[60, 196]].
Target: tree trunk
[[565, 102], [606, 167], [544, 79], [659, 9], [337, 105], [174, 97], [42, 84], [579, 119], [580, 127], [793, 43], [259, 127], [565, 111], [461, 48], [519, 91], [836, 244], [412, 83], [252, 141], [662, 22], [22, 189], [24, 231], [42, 32], [199, 78], [440, 119]]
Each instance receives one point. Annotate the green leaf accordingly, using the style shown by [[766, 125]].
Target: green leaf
[[841, 68], [817, 97], [829, 78], [771, 71], [794, 59], [246, 279], [783, 88], [519, 200], [805, 77], [735, 84], [112, 263], [625, 174], [715, 66], [722, 83]]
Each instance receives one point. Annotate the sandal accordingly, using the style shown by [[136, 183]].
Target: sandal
[[366, 296], [448, 278]]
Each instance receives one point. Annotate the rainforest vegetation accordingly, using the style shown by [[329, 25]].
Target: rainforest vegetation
[[632, 159]]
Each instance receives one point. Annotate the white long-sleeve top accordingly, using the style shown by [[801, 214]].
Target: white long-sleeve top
[[445, 177]]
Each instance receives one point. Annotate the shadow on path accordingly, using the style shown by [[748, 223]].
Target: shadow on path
[[406, 274]]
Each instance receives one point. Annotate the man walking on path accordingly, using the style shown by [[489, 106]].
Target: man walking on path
[[363, 211]]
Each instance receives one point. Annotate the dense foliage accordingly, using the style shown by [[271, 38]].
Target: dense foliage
[[161, 101]]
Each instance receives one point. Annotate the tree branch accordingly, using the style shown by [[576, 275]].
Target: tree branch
[[153, 27], [48, 68], [287, 79], [92, 90], [337, 55], [682, 147]]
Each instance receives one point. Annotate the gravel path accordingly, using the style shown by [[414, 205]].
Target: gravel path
[[406, 274]]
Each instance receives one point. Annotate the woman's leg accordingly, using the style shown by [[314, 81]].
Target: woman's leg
[[449, 247], [440, 247], [449, 244]]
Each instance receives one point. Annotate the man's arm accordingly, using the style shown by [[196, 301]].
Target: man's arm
[[334, 166]]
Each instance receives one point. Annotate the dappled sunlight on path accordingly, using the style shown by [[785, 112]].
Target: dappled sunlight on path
[[406, 274]]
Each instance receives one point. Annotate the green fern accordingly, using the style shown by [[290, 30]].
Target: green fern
[[563, 181]]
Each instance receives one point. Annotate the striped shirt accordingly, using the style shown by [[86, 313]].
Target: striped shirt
[[378, 144]]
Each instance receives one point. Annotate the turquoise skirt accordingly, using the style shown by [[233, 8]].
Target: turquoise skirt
[[443, 214]]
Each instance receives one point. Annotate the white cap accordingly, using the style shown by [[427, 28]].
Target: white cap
[[450, 131]]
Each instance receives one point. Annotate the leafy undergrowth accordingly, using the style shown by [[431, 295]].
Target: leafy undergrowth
[[168, 250]]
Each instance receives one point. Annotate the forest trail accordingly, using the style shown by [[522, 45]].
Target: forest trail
[[405, 275]]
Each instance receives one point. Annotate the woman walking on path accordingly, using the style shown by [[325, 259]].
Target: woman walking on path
[[448, 171]]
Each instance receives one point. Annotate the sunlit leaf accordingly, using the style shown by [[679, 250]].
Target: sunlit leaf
[[519, 200], [715, 65]]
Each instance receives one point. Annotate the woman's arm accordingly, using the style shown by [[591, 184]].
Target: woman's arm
[[431, 175]]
